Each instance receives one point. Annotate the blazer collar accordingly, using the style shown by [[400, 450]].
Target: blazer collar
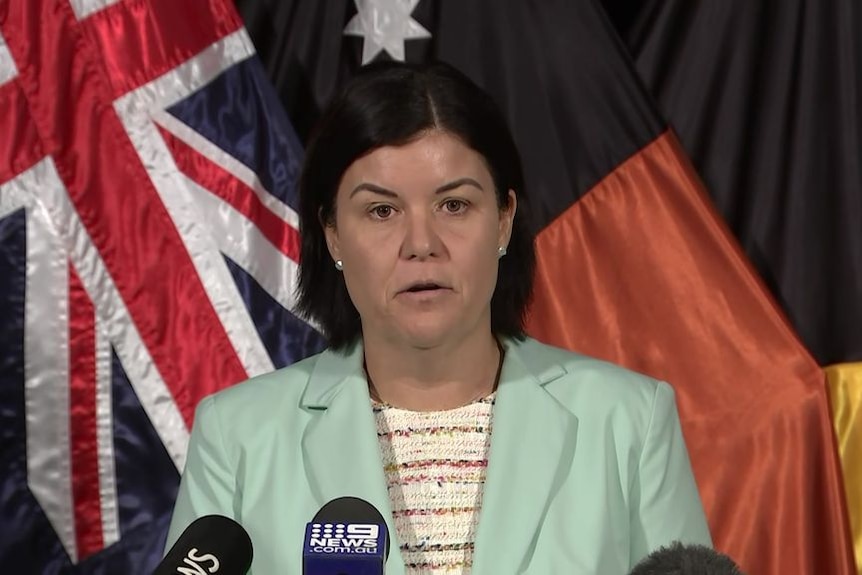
[[532, 441], [340, 451]]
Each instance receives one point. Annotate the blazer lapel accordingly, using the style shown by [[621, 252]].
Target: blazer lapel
[[340, 450], [533, 439]]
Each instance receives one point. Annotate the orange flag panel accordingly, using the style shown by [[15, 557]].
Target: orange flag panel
[[643, 272]]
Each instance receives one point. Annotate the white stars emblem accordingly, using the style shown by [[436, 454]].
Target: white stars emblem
[[385, 25]]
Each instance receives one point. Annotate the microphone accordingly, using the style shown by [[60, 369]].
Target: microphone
[[348, 536], [679, 559], [211, 544]]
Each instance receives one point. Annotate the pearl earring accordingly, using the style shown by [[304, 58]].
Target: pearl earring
[[339, 265], [501, 251]]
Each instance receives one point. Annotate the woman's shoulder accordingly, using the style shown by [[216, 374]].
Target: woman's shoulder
[[576, 379], [266, 392]]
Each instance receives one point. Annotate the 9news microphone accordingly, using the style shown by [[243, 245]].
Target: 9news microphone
[[679, 559], [211, 544], [348, 536]]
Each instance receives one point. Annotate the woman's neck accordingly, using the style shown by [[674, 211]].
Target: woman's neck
[[433, 379]]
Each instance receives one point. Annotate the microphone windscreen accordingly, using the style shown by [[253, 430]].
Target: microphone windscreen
[[349, 510], [211, 544], [679, 559]]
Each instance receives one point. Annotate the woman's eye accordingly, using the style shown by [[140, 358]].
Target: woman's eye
[[454, 206], [381, 212]]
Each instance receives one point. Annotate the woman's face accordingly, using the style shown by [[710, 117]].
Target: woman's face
[[418, 229]]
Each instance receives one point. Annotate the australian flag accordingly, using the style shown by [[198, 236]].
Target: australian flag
[[148, 255]]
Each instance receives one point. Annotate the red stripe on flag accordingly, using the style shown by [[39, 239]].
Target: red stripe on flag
[[139, 41], [243, 199], [116, 201], [19, 144], [82, 419]]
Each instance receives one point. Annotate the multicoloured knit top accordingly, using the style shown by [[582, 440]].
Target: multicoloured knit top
[[435, 465]]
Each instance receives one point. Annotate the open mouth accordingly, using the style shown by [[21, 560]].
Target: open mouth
[[423, 287]]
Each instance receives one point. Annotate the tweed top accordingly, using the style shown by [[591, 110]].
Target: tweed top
[[435, 464]]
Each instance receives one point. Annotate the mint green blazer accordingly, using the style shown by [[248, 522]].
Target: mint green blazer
[[587, 470]]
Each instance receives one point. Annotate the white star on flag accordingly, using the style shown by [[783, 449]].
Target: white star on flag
[[385, 25]]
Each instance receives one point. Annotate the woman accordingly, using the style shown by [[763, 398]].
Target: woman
[[486, 451]]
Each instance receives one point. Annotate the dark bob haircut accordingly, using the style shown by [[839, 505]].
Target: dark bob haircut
[[392, 104]]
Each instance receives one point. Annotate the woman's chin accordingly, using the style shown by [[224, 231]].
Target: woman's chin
[[427, 335]]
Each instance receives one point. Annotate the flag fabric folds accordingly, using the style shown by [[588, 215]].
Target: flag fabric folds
[[148, 237], [845, 393], [148, 248], [766, 99]]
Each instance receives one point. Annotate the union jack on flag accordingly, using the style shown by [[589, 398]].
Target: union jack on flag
[[148, 249]]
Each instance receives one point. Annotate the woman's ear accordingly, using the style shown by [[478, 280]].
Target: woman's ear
[[332, 243], [330, 234], [507, 219]]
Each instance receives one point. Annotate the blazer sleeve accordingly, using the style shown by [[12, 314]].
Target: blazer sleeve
[[208, 484], [666, 505]]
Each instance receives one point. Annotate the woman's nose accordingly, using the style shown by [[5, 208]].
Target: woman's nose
[[421, 239]]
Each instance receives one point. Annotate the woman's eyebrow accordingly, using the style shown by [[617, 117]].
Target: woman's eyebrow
[[458, 183], [374, 188]]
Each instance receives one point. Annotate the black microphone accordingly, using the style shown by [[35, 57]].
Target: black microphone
[[211, 544], [348, 536], [679, 559]]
